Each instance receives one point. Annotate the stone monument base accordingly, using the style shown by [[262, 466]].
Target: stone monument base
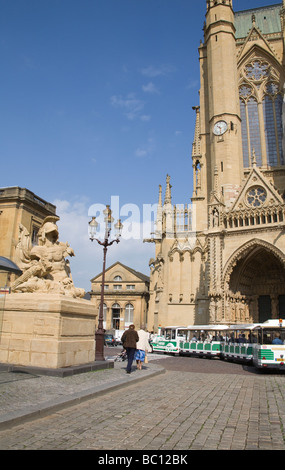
[[47, 331]]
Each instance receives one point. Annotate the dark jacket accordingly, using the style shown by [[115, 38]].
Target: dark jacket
[[130, 338]]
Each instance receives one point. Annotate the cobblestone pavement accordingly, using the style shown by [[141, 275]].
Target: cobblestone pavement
[[25, 395], [176, 410]]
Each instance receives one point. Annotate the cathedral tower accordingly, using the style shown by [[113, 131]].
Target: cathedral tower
[[222, 258], [221, 110]]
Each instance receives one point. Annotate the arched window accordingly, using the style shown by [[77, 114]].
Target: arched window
[[272, 111], [129, 313], [261, 107], [251, 131], [117, 278]]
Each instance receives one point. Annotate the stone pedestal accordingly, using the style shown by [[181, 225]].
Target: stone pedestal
[[47, 330]]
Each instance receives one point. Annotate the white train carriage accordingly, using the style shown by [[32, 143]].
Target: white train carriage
[[168, 339], [269, 348], [263, 344], [203, 340], [238, 344]]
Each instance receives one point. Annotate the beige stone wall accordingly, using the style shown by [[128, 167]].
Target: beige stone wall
[[49, 331]]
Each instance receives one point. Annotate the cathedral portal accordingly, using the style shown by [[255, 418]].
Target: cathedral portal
[[255, 284]]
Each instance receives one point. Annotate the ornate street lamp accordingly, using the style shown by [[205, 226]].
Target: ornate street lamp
[[93, 225]]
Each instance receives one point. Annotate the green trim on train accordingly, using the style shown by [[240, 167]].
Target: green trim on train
[[263, 344], [200, 348], [267, 354]]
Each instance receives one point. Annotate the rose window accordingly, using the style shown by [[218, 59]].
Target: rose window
[[256, 196], [257, 70]]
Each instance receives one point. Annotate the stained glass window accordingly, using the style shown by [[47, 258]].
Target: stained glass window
[[254, 130], [245, 91], [272, 110], [257, 70], [256, 196], [269, 130], [279, 124], [246, 156], [259, 94], [271, 88]]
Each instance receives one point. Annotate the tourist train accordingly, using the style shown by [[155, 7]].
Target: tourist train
[[262, 344]]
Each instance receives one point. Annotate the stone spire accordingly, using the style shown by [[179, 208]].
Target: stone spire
[[159, 215], [160, 196], [168, 216], [196, 146], [167, 199]]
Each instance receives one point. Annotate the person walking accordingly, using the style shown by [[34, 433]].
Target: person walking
[[143, 347], [129, 339]]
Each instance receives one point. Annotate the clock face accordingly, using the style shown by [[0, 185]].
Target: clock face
[[220, 127]]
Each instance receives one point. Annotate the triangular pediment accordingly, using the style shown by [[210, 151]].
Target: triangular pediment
[[216, 199], [255, 39], [119, 270], [257, 192]]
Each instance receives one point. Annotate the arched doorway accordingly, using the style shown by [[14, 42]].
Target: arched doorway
[[256, 283], [116, 311]]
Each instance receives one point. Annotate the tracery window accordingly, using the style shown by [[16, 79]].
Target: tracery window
[[256, 196], [257, 70], [261, 106], [254, 129]]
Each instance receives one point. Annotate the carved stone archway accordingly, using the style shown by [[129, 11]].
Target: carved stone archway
[[254, 283]]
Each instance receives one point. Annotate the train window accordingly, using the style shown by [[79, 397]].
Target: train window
[[270, 336]]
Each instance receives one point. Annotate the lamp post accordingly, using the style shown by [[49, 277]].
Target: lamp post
[[93, 225]]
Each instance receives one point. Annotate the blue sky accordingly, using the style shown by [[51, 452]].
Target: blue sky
[[96, 101]]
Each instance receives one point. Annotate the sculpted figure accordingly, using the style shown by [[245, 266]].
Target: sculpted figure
[[23, 248], [157, 265], [45, 267]]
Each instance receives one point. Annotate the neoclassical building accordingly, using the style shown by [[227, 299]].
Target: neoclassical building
[[126, 296], [221, 259]]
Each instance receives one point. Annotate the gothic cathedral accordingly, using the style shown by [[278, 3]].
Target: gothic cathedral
[[221, 259]]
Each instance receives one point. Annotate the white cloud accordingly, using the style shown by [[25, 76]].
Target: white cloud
[[145, 118], [131, 105], [156, 71], [140, 152], [147, 149], [150, 88], [73, 228], [192, 84]]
